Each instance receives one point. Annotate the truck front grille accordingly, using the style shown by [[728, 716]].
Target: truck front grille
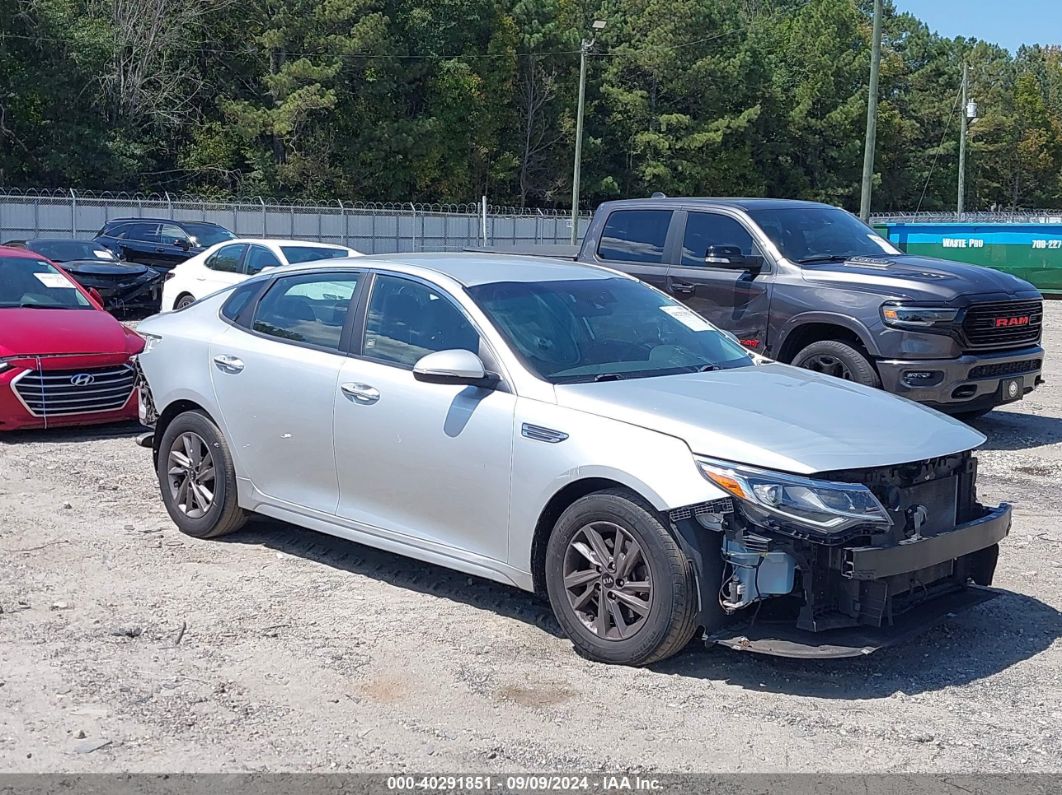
[[57, 393], [1003, 324]]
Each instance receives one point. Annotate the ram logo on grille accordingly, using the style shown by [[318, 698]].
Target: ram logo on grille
[[1007, 322], [82, 379]]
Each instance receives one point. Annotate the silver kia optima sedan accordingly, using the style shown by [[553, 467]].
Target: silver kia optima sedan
[[572, 431]]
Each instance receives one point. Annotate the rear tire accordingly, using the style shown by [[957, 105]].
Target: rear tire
[[184, 300], [640, 605], [840, 360], [197, 477]]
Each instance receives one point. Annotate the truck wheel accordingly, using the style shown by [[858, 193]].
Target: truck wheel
[[197, 478], [619, 583], [838, 359]]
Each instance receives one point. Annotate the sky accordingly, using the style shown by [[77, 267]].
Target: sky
[[1009, 23]]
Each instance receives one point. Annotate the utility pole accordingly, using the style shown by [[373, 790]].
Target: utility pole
[[872, 115], [584, 49], [962, 146]]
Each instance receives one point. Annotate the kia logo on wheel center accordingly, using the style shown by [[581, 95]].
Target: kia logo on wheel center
[[82, 379]]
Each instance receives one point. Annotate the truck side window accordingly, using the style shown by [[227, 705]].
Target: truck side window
[[635, 236], [711, 229]]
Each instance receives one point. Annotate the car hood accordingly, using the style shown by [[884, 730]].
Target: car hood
[[31, 332], [777, 417], [98, 267], [920, 278]]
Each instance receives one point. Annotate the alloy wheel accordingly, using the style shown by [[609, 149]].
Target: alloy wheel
[[828, 365], [191, 475], [607, 580]]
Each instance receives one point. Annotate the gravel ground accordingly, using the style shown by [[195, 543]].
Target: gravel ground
[[125, 645]]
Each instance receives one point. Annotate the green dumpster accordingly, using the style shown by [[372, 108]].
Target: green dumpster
[[1030, 251]]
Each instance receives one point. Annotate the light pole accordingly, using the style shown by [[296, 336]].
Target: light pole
[[872, 114], [969, 115], [584, 49]]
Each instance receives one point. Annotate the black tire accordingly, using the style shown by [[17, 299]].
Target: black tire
[[838, 359], [223, 514], [183, 300], [668, 624], [970, 416]]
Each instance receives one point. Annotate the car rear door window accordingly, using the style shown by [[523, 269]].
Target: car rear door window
[[712, 229], [312, 253], [260, 258], [148, 233], [635, 236], [408, 320], [310, 309], [227, 258]]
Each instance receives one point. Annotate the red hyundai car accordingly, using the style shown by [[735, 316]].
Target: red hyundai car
[[63, 360]]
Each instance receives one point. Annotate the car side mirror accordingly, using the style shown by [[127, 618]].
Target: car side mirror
[[183, 243], [455, 366], [732, 258]]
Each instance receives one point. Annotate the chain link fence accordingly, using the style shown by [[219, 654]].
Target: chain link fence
[[369, 227], [978, 217]]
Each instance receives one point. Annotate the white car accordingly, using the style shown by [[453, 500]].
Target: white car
[[232, 261]]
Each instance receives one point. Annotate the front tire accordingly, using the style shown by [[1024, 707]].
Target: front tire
[[831, 357], [618, 582], [197, 477]]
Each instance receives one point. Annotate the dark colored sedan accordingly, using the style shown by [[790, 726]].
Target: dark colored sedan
[[123, 287], [159, 242]]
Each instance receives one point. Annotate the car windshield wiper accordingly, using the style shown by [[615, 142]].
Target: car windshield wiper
[[607, 377], [708, 368]]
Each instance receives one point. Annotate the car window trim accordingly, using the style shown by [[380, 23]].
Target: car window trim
[[491, 360], [244, 320]]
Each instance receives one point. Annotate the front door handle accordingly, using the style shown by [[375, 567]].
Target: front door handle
[[228, 364], [361, 393], [682, 288]]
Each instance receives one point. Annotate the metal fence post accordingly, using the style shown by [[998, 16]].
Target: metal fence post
[[169, 205], [73, 213], [346, 224], [413, 226], [265, 229], [36, 216], [292, 230]]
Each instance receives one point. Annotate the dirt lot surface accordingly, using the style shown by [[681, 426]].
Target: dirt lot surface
[[125, 645]]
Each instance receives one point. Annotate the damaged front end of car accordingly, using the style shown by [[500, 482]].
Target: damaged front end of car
[[844, 562]]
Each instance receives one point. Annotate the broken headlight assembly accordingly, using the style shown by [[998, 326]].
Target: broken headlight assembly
[[825, 507]]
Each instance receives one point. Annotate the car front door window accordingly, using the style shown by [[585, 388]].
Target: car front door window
[[712, 230]]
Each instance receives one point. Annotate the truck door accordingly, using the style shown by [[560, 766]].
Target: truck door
[[721, 274], [634, 241]]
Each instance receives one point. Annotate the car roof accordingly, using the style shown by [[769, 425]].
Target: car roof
[[736, 202], [282, 242], [147, 220], [469, 269], [23, 253]]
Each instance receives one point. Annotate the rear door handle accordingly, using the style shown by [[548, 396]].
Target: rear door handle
[[228, 364], [361, 393], [682, 288]]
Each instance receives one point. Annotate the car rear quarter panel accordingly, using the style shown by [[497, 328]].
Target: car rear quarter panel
[[177, 366]]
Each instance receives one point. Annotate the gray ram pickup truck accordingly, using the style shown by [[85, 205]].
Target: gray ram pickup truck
[[811, 285]]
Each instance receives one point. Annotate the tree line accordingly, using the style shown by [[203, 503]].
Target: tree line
[[447, 100]]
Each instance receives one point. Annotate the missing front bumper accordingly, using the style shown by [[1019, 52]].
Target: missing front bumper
[[785, 640]]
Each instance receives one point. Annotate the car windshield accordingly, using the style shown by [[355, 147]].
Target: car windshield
[[603, 329], [294, 254], [207, 234], [34, 283], [809, 234], [66, 250]]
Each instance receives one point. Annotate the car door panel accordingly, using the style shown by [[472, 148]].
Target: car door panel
[[427, 461], [735, 300], [276, 384]]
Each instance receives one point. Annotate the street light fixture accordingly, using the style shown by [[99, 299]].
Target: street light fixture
[[584, 48]]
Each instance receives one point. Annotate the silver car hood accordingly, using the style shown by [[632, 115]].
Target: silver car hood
[[777, 417]]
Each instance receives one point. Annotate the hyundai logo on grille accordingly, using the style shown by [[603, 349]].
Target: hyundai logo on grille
[[82, 379]]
